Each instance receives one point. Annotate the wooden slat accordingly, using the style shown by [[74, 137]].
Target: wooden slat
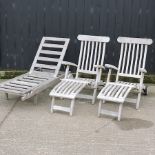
[[17, 86], [134, 40], [129, 75], [30, 81], [91, 57], [136, 59], [12, 88], [95, 55], [84, 55], [10, 91], [53, 45], [140, 59], [107, 112], [93, 38], [56, 39], [99, 54], [128, 58], [124, 58], [24, 83], [60, 108], [87, 57], [103, 53], [45, 66], [80, 56], [38, 77], [48, 59], [50, 52], [33, 79], [144, 59]]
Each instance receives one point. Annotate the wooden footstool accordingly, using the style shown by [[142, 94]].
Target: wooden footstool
[[114, 92]]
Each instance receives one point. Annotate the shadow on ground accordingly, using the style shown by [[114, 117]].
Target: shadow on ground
[[133, 123]]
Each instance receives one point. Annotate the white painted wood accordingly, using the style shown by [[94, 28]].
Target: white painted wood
[[91, 59], [133, 52], [132, 65], [60, 108], [93, 38], [35, 81], [128, 58], [114, 92], [53, 45], [45, 66], [108, 112], [134, 40], [50, 52], [120, 111], [84, 96], [48, 59], [50, 45]]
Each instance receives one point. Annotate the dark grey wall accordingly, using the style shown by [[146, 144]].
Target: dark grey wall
[[24, 22]]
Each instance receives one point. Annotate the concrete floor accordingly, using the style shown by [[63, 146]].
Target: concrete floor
[[29, 129]]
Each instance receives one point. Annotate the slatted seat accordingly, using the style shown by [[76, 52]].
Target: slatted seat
[[66, 90], [91, 59], [44, 72], [131, 65]]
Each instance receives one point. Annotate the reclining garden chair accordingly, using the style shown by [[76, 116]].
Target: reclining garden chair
[[90, 62], [131, 65], [44, 71]]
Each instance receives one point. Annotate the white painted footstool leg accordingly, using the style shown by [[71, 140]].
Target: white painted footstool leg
[[100, 107], [52, 104], [120, 111], [72, 107], [6, 96]]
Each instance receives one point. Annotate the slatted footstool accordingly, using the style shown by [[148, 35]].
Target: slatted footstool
[[68, 89], [113, 92]]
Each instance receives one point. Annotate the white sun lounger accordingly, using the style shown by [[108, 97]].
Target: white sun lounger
[[131, 65], [91, 61], [44, 71]]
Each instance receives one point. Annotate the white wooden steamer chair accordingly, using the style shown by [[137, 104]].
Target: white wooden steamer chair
[[131, 65], [44, 71], [90, 62]]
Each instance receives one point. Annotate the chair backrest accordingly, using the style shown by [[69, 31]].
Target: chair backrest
[[92, 53], [132, 56], [50, 55]]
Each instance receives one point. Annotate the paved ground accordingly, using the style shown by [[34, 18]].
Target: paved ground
[[29, 129]]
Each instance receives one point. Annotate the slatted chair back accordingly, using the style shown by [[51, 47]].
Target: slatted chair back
[[92, 53], [132, 56], [50, 55]]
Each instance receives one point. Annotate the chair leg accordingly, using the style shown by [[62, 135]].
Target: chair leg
[[72, 107], [99, 108], [6, 96], [138, 100], [94, 95], [120, 111], [35, 99], [52, 104]]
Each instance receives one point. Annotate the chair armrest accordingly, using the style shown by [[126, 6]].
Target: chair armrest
[[143, 70], [68, 63], [99, 66], [111, 67]]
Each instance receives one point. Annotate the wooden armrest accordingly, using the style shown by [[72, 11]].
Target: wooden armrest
[[99, 66], [68, 63], [143, 70], [111, 66]]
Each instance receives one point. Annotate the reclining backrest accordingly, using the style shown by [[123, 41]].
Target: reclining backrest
[[92, 53], [132, 56], [50, 55]]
